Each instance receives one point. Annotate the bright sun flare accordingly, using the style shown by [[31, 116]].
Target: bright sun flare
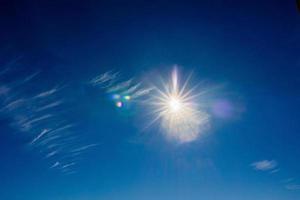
[[178, 111], [175, 104]]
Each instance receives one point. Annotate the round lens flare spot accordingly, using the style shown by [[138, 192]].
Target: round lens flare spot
[[119, 104]]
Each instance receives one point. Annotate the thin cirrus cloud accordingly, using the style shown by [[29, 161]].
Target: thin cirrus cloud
[[265, 165], [271, 167], [111, 82], [105, 80], [39, 111], [292, 186]]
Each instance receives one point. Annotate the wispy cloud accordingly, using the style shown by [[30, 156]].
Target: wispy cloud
[[105, 80], [84, 147], [68, 165], [288, 180], [31, 76], [52, 153], [62, 128], [50, 105], [14, 104], [36, 113], [293, 187], [49, 92], [141, 92], [274, 171], [120, 86], [56, 164], [111, 83], [39, 136], [8, 66], [290, 184], [132, 88], [264, 165], [28, 124]]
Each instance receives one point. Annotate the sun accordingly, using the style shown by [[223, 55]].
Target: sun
[[177, 109], [175, 104]]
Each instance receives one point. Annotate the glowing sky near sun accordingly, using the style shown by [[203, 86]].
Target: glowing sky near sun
[[176, 108]]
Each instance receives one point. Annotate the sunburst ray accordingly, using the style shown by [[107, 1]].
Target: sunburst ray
[[177, 109]]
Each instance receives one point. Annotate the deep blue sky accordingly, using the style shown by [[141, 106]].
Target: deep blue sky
[[252, 48]]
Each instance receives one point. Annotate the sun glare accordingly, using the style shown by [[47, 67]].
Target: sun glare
[[177, 109], [175, 104]]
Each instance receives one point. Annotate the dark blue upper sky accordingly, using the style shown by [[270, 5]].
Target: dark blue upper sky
[[249, 49]]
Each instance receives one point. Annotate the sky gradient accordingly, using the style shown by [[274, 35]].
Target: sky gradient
[[64, 137]]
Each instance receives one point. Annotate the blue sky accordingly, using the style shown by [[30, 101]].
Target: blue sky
[[64, 137]]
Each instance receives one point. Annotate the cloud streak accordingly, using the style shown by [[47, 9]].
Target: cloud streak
[[39, 136], [105, 80], [264, 165], [43, 117], [110, 82]]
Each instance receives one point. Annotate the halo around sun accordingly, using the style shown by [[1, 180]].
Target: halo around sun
[[177, 109]]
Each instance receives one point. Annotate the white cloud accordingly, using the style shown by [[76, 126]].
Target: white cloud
[[264, 165]]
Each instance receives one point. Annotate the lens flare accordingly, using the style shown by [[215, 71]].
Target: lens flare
[[127, 97], [119, 104], [177, 110], [174, 104]]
